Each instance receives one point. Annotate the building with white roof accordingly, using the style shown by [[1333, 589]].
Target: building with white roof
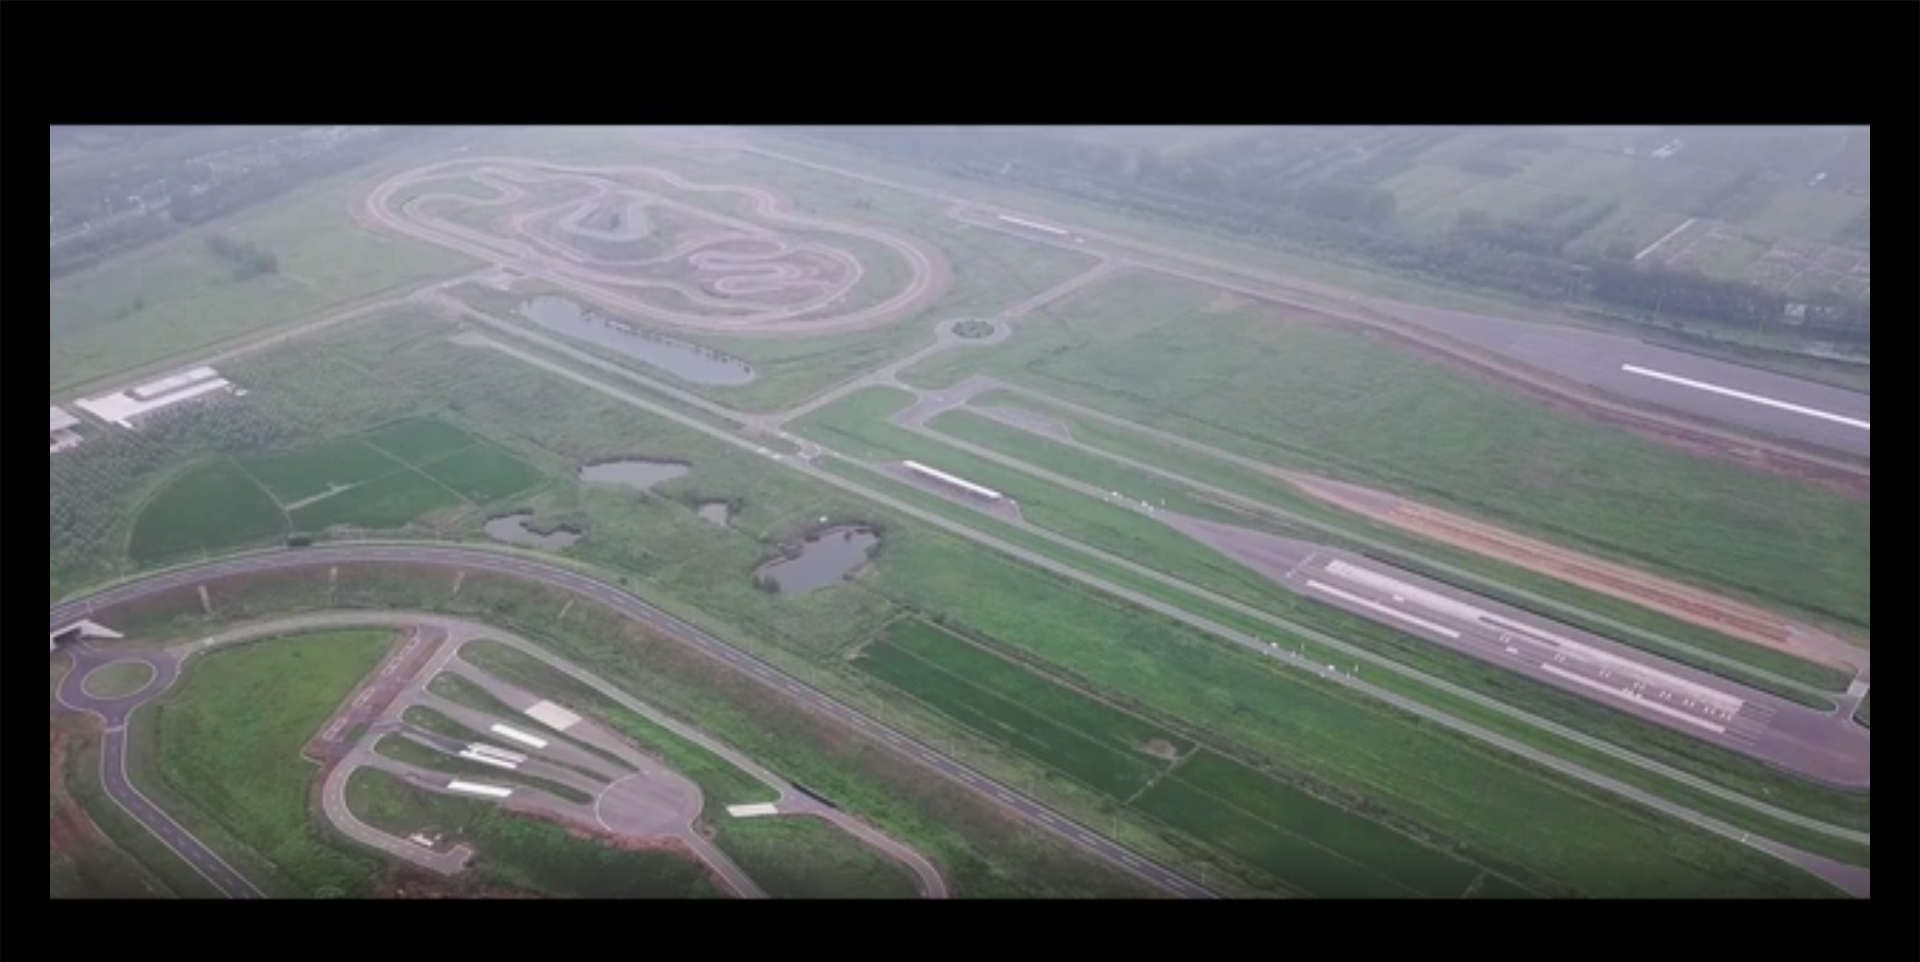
[[128, 408], [60, 433]]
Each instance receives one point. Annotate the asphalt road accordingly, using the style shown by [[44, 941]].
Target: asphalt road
[[1036, 814], [114, 713]]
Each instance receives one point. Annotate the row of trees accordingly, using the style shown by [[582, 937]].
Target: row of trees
[[247, 260], [1300, 190]]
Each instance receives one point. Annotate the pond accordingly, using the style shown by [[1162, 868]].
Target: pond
[[513, 529], [824, 561], [638, 475], [688, 362], [717, 512]]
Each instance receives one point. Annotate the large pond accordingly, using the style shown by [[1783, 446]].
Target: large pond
[[688, 362], [638, 475], [513, 529], [824, 561]]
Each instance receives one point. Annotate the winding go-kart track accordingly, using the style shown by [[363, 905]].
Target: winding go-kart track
[[659, 257], [230, 882]]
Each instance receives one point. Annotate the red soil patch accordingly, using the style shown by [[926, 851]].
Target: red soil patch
[[69, 831]]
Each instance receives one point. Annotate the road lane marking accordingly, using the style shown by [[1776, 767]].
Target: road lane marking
[[1744, 396]]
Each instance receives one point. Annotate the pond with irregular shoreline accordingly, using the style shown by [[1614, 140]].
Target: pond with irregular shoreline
[[826, 559], [635, 473], [688, 362]]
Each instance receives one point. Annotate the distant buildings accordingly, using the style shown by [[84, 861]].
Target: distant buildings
[[131, 407], [60, 433]]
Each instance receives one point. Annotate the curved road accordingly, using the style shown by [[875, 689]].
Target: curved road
[[114, 713], [565, 579]]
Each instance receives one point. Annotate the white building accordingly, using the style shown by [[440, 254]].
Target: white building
[[60, 433], [128, 408]]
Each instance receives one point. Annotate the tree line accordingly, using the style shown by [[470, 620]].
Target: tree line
[[246, 259], [1306, 192]]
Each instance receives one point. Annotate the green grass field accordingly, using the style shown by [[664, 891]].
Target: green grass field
[[419, 440], [1329, 400], [521, 854], [1023, 724], [209, 507], [315, 469], [118, 680], [228, 742], [389, 502], [483, 473], [179, 300], [1806, 213], [413, 753], [350, 481], [1087, 739], [806, 858]]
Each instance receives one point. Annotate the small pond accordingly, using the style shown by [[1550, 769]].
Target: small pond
[[688, 362], [513, 529], [826, 560], [638, 475], [717, 512]]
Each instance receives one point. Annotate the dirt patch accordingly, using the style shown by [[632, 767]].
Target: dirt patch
[[1160, 748], [1733, 618], [409, 883], [69, 831]]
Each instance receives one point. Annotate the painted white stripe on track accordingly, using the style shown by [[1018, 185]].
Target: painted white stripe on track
[[1744, 396]]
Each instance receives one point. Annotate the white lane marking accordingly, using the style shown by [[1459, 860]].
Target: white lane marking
[[1622, 693], [1354, 599], [474, 756], [484, 791], [515, 734], [1744, 396]]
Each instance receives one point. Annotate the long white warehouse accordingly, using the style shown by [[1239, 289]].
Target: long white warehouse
[[945, 478], [128, 408]]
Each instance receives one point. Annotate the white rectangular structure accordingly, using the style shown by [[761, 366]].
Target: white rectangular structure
[[1031, 225], [945, 478], [483, 791], [1371, 605], [500, 763], [500, 753], [515, 734], [751, 811], [553, 716], [59, 420], [126, 407], [170, 385]]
